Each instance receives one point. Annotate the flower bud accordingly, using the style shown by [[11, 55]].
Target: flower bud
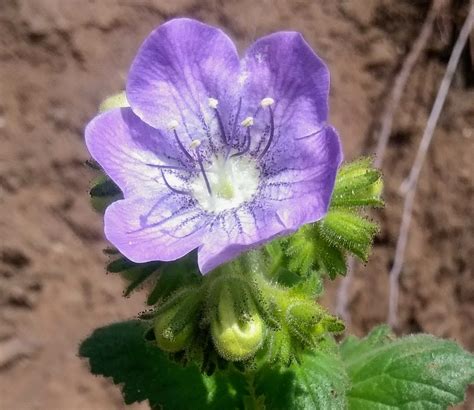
[[114, 101], [358, 184], [176, 320], [236, 336], [302, 316]]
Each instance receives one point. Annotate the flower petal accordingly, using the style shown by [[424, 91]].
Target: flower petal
[[125, 147], [238, 231], [283, 67], [301, 178], [179, 66], [163, 228]]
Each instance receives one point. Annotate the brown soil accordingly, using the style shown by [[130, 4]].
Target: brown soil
[[59, 59]]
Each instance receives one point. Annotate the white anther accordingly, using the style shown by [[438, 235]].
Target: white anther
[[212, 103], [172, 125], [248, 122], [267, 101], [194, 144]]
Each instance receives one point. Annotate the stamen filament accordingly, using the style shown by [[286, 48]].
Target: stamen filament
[[178, 191], [181, 146], [246, 145], [208, 185], [272, 131], [168, 167], [234, 127], [221, 127]]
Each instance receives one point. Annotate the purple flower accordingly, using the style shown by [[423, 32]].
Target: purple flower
[[214, 152]]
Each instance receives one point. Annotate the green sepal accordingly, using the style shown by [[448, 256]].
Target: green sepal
[[136, 274], [176, 320], [308, 250], [278, 348], [174, 275], [348, 231], [103, 192], [119, 265]]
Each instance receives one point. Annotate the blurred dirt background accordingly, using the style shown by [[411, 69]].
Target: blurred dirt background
[[60, 58]]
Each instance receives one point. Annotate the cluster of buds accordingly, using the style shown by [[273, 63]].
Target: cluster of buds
[[239, 314]]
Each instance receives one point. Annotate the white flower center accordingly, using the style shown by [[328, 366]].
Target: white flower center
[[232, 183]]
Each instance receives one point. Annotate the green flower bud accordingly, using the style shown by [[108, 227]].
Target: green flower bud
[[302, 317], [114, 101], [236, 336], [357, 184], [349, 231], [176, 321]]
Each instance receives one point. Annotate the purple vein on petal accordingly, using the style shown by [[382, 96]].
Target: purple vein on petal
[[185, 222], [313, 134], [156, 224]]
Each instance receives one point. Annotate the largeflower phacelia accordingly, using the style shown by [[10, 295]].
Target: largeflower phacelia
[[214, 152]]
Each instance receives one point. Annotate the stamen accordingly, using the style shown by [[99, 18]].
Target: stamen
[[266, 102], [212, 103], [178, 191], [272, 131], [246, 145], [248, 122], [195, 146], [172, 125], [181, 146]]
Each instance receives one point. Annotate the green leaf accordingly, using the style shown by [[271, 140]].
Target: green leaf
[[120, 351], [319, 381], [413, 372]]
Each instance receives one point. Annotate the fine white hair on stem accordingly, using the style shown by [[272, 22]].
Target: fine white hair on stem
[[409, 186], [385, 130]]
